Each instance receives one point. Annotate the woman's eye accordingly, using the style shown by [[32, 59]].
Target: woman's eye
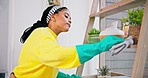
[[66, 16]]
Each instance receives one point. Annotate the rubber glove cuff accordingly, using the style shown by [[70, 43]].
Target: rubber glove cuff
[[63, 75]]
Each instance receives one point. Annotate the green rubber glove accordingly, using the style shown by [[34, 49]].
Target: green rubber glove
[[63, 75], [88, 51]]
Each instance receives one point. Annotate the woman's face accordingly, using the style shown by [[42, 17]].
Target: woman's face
[[63, 20]]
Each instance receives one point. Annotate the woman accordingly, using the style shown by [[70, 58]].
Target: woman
[[41, 55]]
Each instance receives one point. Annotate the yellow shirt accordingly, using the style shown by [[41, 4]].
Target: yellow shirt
[[41, 56]]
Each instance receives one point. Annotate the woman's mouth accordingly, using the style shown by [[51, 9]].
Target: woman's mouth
[[69, 25]]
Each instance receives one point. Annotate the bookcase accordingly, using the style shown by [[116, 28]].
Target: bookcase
[[142, 47]]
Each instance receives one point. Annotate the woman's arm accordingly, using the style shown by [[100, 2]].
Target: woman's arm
[[54, 55]]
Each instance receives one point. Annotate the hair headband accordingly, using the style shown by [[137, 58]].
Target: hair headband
[[52, 11]]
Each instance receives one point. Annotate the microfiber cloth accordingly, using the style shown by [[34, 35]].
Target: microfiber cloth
[[121, 46]]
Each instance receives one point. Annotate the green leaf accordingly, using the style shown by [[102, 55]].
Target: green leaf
[[94, 31], [104, 70], [134, 17]]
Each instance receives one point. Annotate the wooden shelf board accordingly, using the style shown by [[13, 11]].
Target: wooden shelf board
[[113, 75], [118, 7]]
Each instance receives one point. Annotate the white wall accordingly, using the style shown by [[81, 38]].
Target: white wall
[[3, 35], [23, 13]]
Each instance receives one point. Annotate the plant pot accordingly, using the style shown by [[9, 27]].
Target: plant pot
[[103, 76], [93, 38], [133, 31], [104, 73]]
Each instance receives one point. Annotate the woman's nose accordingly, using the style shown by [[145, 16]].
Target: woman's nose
[[69, 21]]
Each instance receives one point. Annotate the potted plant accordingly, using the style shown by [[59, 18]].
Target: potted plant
[[132, 23], [93, 35], [103, 72]]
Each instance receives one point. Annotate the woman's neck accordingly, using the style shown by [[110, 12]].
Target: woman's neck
[[54, 29]]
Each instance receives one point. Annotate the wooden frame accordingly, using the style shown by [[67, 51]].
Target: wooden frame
[[142, 48], [118, 7]]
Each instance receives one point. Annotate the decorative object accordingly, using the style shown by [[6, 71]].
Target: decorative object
[[104, 72], [93, 35], [132, 23]]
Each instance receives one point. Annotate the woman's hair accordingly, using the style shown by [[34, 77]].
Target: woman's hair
[[40, 23]]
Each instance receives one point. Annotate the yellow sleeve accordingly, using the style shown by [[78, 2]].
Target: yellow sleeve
[[52, 54]]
